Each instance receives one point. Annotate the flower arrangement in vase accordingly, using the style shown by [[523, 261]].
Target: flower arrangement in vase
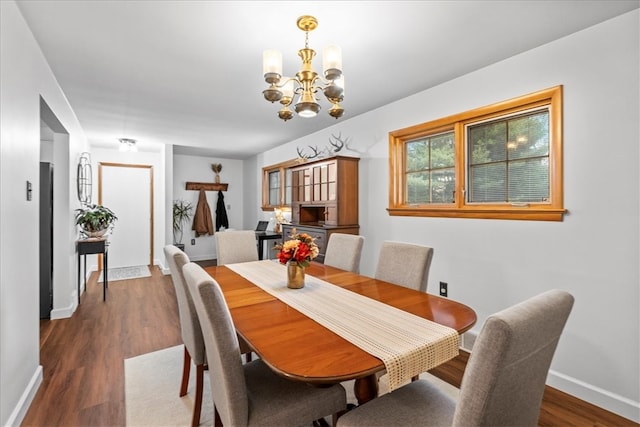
[[296, 253]]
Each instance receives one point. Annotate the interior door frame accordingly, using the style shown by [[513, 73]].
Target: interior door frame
[[129, 165]]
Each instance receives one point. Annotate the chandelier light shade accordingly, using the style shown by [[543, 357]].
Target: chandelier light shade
[[301, 89]]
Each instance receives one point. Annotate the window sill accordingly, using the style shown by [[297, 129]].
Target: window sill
[[527, 214]]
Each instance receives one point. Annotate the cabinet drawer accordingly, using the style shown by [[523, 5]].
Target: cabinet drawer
[[318, 234]]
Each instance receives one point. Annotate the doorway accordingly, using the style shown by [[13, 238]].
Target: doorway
[[46, 220], [56, 231], [127, 189]]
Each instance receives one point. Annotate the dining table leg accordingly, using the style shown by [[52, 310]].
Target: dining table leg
[[366, 388]]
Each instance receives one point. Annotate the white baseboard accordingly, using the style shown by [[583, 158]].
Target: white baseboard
[[63, 313], [599, 397], [66, 312], [604, 399], [18, 413], [163, 269]]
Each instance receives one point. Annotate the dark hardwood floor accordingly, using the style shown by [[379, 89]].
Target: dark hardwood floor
[[83, 359]]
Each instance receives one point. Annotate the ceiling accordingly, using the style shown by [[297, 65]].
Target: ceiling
[[189, 73]]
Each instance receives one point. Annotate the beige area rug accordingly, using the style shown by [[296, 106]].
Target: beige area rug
[[152, 384], [124, 273]]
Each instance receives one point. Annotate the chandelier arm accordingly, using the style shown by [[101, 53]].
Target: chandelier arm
[[284, 82]]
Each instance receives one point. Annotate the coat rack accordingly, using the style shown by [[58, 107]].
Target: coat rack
[[207, 186]]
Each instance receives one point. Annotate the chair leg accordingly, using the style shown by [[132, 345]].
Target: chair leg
[[248, 357], [186, 368], [197, 403], [217, 421]]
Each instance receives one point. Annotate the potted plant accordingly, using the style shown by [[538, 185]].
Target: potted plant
[[182, 213], [95, 220]]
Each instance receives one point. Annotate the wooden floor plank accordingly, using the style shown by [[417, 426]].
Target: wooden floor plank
[[83, 359]]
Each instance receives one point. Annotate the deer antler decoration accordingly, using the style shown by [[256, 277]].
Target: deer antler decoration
[[305, 156], [337, 144]]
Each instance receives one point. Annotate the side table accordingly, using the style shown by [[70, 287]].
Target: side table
[[93, 246], [265, 235]]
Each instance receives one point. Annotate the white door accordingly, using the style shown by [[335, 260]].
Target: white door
[[126, 190]]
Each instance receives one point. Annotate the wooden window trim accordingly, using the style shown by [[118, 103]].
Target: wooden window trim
[[282, 168], [552, 211]]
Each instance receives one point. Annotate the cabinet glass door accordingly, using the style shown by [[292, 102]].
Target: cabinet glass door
[[307, 185], [317, 194], [287, 187], [332, 172]]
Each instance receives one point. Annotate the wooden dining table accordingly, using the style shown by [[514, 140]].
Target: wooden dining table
[[298, 348]]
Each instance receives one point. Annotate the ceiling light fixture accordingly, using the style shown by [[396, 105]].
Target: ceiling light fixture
[[303, 85], [127, 144]]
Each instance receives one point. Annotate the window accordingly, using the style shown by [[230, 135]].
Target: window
[[503, 161], [276, 185]]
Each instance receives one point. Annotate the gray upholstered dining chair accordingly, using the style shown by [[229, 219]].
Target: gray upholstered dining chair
[[504, 380], [236, 246], [344, 251], [251, 394], [190, 329], [404, 264]]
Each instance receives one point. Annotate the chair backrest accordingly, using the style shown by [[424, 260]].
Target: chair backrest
[[404, 264], [236, 246], [344, 251], [223, 350], [504, 380], [189, 323]]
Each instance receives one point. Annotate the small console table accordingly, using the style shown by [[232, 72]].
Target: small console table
[[93, 246], [265, 235]]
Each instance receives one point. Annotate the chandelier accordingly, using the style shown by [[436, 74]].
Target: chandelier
[[306, 83]]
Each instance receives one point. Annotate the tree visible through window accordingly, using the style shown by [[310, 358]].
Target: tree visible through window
[[509, 160], [430, 169], [502, 161]]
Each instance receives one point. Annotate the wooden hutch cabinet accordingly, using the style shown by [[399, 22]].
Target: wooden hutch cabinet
[[324, 199]]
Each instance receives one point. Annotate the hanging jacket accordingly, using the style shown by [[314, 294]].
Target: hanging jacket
[[202, 222], [221, 213]]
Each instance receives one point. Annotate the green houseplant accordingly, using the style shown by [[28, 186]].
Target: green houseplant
[[95, 220], [182, 213]]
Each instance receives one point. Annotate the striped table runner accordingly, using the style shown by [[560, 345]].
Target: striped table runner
[[407, 344]]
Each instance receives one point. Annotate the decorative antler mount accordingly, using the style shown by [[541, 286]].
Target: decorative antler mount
[[336, 144]]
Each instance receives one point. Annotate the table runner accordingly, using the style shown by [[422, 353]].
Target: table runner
[[407, 344]]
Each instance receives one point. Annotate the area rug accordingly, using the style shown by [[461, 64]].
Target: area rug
[[152, 384], [124, 273]]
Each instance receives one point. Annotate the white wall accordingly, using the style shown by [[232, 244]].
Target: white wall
[[24, 77], [491, 264], [198, 169]]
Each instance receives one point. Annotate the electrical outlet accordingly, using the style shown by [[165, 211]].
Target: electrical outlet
[[444, 289], [193, 241]]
